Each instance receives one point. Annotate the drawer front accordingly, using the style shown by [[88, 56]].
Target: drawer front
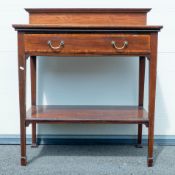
[[67, 44]]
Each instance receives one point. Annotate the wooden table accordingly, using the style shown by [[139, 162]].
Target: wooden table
[[82, 32]]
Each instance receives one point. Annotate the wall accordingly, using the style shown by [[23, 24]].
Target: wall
[[109, 80]]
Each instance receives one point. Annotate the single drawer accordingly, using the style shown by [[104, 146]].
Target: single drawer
[[96, 44]]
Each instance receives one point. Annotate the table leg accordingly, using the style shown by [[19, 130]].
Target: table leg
[[152, 93], [22, 96], [141, 96], [33, 96]]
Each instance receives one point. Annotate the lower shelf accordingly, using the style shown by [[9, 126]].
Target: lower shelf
[[87, 114]]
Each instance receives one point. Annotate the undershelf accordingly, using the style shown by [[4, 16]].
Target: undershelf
[[87, 114]]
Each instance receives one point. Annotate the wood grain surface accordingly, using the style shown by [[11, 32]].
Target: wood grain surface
[[87, 43], [88, 16], [88, 114]]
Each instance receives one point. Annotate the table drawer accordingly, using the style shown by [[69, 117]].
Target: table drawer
[[66, 44]]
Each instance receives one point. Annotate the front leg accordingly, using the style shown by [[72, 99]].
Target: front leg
[[22, 96], [152, 93]]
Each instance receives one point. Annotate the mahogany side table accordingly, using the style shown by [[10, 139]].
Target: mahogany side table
[[82, 32]]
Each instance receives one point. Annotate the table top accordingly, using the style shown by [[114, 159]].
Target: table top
[[29, 27]]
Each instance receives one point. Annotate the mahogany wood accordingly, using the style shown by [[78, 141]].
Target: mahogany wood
[[33, 95], [92, 17], [85, 28], [87, 43], [87, 114], [152, 95], [22, 95], [87, 10], [92, 37], [141, 94]]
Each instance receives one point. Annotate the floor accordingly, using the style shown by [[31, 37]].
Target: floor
[[86, 160]]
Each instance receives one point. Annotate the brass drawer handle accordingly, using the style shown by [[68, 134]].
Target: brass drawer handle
[[55, 47], [125, 44]]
